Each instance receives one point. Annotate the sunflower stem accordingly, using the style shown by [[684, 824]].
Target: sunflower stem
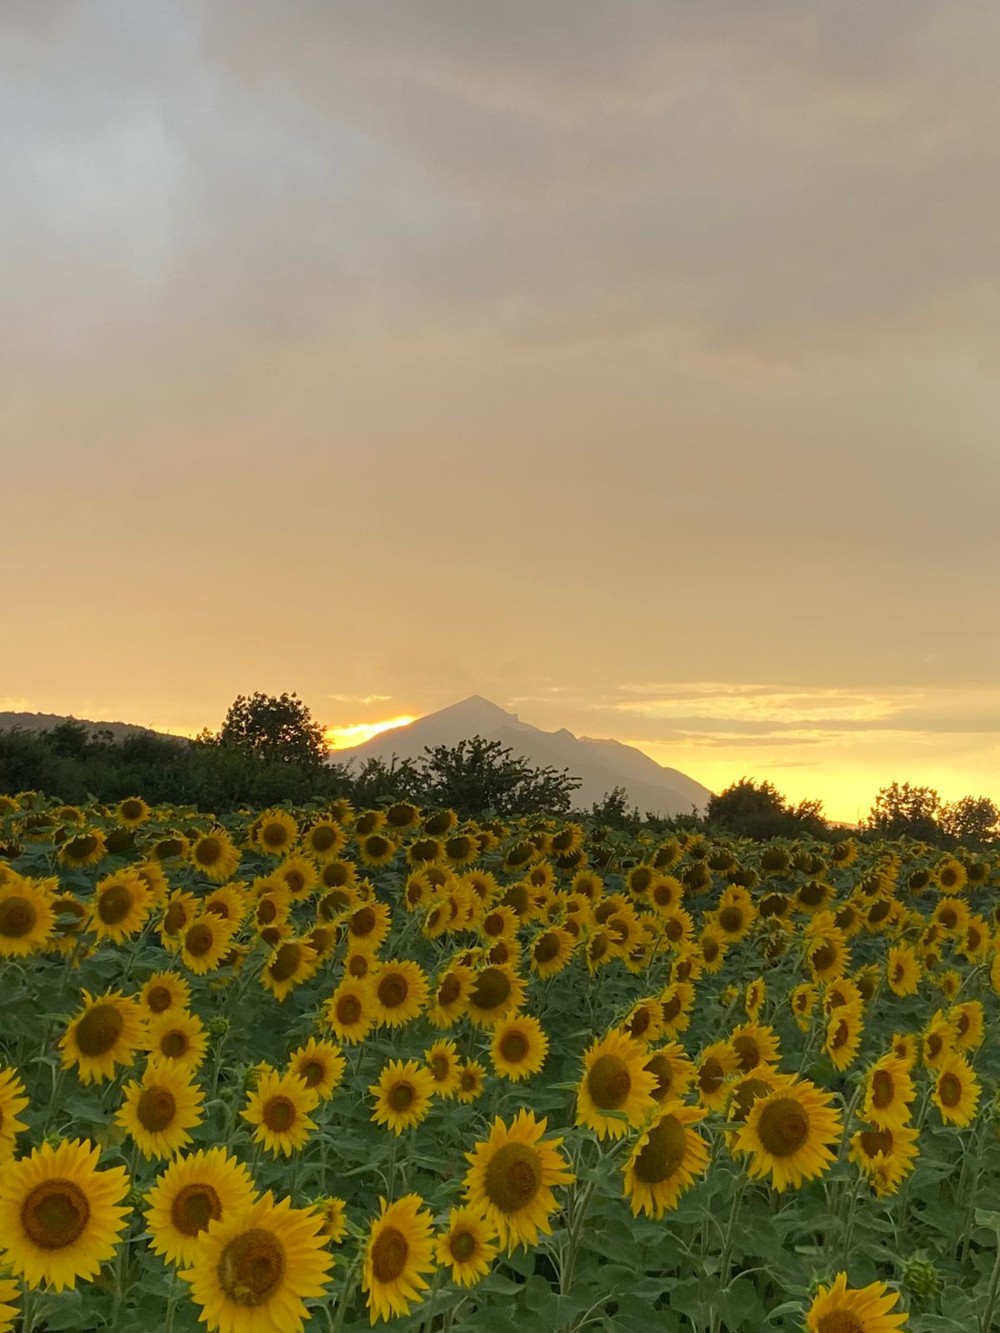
[[986, 1322], [727, 1249]]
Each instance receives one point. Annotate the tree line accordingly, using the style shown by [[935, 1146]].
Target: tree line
[[269, 749]]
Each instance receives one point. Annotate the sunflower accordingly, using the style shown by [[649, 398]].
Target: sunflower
[[424, 851], [716, 1064], [903, 970], [443, 1064], [616, 1091], [83, 849], [194, 1190], [713, 945], [495, 991], [159, 1109], [551, 951], [204, 942], [9, 1291], [106, 1033], [132, 812], [906, 1047], [743, 1091], [291, 963], [27, 917], [675, 1008], [753, 998], [399, 1251], [519, 1047], [673, 1071], [753, 1045], [320, 1065], [969, 1023], [789, 1134], [402, 816], [403, 1095], [938, 1041], [736, 913], [324, 840], [886, 1155], [827, 954], [59, 1216], [169, 848], [275, 832], [840, 1309], [254, 1269], [297, 875], [349, 1011], [279, 1109], [215, 855], [843, 1035], [333, 1211], [338, 874], [511, 1176], [359, 965], [180, 910], [152, 875], [369, 925], [468, 1247], [229, 902], [667, 1157], [645, 1020], [889, 1091], [178, 1036], [952, 915], [399, 992], [12, 1100], [803, 1001], [369, 821], [956, 1091], [471, 1081]]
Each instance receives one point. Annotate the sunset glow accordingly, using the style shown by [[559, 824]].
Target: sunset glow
[[343, 738]]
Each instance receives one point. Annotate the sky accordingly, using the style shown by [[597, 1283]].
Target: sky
[[632, 364]]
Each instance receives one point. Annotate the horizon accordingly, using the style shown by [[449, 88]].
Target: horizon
[[637, 368], [351, 735]]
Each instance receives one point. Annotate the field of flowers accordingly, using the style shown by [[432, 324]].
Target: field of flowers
[[319, 1068]]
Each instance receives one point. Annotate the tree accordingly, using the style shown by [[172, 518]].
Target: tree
[[279, 729], [478, 776], [758, 810], [904, 811], [971, 820]]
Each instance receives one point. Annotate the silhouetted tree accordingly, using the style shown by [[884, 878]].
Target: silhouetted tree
[[276, 728], [971, 819], [901, 810], [478, 776], [758, 810]]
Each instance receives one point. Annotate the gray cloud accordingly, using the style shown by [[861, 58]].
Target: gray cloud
[[653, 337]]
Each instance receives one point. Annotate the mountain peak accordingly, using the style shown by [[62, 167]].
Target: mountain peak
[[601, 765]]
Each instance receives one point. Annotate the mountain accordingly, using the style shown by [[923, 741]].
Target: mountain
[[602, 765], [46, 721]]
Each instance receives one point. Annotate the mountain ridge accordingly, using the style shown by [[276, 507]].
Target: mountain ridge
[[601, 764]]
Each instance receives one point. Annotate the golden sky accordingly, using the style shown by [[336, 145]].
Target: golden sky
[[633, 366]]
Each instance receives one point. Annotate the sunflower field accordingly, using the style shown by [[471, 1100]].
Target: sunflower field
[[319, 1068]]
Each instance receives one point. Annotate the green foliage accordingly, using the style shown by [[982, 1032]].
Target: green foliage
[[905, 811], [757, 810], [478, 776], [276, 728]]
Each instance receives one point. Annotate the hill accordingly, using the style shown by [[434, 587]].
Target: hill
[[601, 765], [46, 721]]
